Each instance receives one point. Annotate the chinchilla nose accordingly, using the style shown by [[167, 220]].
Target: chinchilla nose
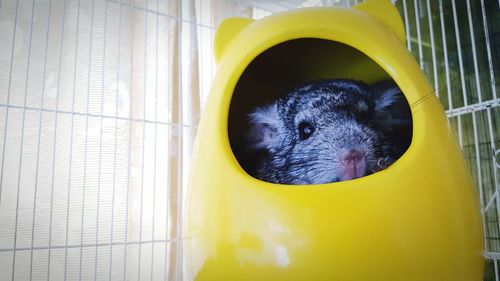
[[352, 156]]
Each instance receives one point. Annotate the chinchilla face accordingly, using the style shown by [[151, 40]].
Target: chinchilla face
[[321, 132], [327, 135]]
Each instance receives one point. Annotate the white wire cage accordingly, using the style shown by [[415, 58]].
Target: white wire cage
[[99, 105]]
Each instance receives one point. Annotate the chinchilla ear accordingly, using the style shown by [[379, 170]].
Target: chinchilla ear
[[385, 94], [390, 105], [264, 127]]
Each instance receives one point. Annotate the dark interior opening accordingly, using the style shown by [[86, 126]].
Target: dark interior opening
[[285, 67]]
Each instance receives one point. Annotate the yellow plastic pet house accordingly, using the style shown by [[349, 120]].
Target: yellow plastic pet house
[[417, 220]]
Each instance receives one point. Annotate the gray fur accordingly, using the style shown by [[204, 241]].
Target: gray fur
[[344, 116]]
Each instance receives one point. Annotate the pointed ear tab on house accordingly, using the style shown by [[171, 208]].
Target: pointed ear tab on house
[[386, 12], [226, 31]]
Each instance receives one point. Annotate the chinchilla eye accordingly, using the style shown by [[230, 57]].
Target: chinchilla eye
[[305, 130]]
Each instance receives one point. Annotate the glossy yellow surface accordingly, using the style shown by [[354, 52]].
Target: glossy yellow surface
[[417, 220]]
